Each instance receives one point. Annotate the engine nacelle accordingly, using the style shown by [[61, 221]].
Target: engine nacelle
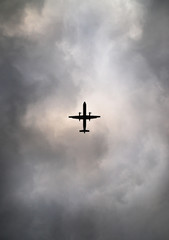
[[89, 115], [79, 115]]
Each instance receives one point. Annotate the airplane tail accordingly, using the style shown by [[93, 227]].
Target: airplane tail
[[84, 131]]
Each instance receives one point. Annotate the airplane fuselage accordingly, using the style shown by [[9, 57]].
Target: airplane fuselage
[[84, 114]]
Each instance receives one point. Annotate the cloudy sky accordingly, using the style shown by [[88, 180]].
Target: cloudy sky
[[113, 182]]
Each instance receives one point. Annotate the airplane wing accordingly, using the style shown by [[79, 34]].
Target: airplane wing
[[91, 116], [77, 117]]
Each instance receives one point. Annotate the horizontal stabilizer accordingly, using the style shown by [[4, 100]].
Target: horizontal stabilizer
[[84, 131]]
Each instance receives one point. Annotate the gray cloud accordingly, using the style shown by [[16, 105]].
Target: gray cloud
[[12, 12], [113, 182]]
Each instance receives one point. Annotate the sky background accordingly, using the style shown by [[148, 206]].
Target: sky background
[[111, 183]]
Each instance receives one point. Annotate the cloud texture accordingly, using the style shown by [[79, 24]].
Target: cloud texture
[[55, 182]]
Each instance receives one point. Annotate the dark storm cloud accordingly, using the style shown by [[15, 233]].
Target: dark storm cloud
[[13, 102], [155, 42], [11, 12]]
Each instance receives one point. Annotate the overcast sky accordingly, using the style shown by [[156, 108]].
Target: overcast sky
[[111, 183]]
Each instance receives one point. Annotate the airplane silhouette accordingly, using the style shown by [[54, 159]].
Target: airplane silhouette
[[84, 117]]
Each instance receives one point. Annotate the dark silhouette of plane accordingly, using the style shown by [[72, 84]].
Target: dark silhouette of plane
[[84, 117]]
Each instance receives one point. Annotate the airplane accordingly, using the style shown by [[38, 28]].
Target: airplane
[[84, 117]]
